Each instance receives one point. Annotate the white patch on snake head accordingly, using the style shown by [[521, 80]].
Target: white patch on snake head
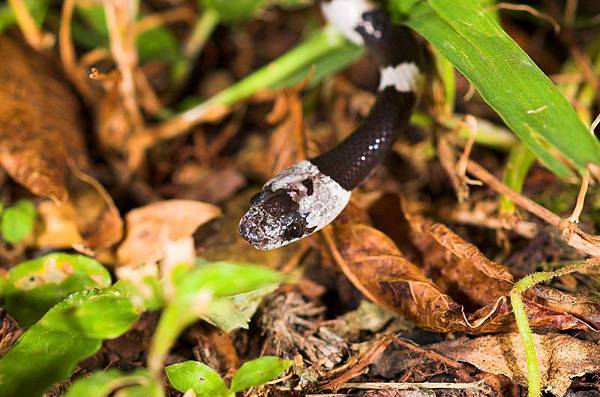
[[295, 203]]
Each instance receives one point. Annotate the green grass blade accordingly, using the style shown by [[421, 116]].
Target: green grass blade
[[467, 34]]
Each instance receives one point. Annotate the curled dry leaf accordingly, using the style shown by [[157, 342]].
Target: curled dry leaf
[[42, 145], [561, 357], [152, 227], [455, 288]]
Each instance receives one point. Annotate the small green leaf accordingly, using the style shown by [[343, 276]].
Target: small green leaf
[[257, 372], [18, 221], [232, 11], [94, 17], [198, 377], [32, 287], [104, 383], [98, 384], [159, 43]]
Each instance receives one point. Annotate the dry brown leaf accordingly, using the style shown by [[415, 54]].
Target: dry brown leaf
[[561, 357], [456, 289], [59, 229], [152, 227], [42, 145]]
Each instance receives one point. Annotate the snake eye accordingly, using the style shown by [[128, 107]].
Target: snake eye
[[294, 230]]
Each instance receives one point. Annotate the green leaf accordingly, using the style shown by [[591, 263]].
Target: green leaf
[[37, 8], [236, 311], [103, 383], [225, 278], [34, 286], [158, 43], [233, 11], [257, 372], [198, 377], [18, 221], [195, 290], [94, 18], [71, 331], [468, 35]]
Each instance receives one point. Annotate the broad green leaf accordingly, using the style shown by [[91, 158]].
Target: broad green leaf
[[103, 383], [257, 372], [198, 377], [158, 43], [468, 35], [18, 221], [34, 286], [232, 11], [99, 314], [70, 332], [37, 8]]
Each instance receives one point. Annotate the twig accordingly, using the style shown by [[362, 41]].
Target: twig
[[572, 235], [67, 53], [428, 353], [122, 45], [530, 10], [33, 34], [368, 358], [585, 183], [408, 386], [162, 18]]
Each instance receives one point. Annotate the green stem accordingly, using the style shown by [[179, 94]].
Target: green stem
[[203, 29], [520, 159], [306, 53], [533, 374]]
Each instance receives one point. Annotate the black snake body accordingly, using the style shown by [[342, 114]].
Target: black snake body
[[309, 195]]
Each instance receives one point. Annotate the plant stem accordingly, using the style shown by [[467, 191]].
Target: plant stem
[[203, 29], [533, 374], [32, 33], [520, 159], [319, 44]]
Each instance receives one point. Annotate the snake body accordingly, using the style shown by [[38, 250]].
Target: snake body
[[307, 196]]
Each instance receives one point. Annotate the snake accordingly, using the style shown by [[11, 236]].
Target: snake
[[307, 196]]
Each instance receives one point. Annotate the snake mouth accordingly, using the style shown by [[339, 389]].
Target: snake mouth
[[250, 231]]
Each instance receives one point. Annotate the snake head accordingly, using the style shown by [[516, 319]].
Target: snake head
[[273, 220], [294, 204]]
